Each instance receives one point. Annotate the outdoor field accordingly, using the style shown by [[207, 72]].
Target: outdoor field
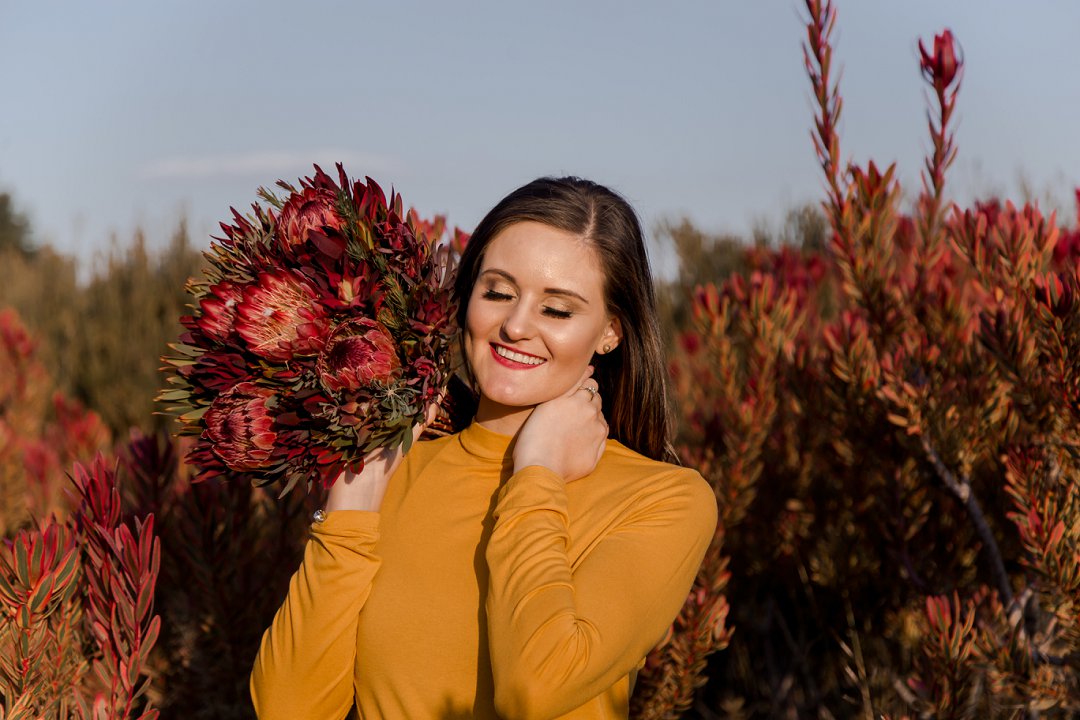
[[228, 245]]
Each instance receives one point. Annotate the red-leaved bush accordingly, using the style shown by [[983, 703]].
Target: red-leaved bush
[[891, 427], [77, 572], [76, 610]]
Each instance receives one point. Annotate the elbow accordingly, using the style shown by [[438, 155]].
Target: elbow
[[261, 693], [541, 683]]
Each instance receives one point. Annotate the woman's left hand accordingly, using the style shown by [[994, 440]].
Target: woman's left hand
[[566, 434]]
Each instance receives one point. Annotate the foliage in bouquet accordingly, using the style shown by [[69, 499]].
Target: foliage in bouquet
[[322, 331]]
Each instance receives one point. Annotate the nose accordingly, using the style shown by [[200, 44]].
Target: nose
[[518, 323]]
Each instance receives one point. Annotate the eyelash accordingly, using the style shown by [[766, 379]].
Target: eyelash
[[550, 312]]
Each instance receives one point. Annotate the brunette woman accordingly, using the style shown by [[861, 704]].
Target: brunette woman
[[524, 567]]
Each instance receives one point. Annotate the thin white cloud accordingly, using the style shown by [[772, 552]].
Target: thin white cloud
[[278, 163]]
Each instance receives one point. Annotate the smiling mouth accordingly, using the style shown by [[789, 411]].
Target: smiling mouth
[[505, 353]]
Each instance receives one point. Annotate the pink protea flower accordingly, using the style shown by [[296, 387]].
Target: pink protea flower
[[309, 209], [280, 317], [360, 352], [219, 310], [240, 427]]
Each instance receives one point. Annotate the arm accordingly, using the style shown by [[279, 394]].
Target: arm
[[559, 636], [305, 663]]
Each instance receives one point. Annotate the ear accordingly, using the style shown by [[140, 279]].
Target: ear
[[611, 338]]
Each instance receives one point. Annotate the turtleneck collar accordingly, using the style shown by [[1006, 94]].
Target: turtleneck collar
[[483, 443]]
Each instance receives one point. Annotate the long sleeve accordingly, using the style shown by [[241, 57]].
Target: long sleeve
[[561, 633], [304, 668]]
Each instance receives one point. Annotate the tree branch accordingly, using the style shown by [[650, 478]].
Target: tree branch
[[961, 488]]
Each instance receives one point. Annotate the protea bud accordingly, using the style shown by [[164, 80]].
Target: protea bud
[[307, 210], [239, 426], [942, 67], [219, 310]]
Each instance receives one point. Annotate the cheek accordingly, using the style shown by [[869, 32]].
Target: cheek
[[474, 333], [475, 323], [578, 345]]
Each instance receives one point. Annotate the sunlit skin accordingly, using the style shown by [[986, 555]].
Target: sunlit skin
[[536, 316]]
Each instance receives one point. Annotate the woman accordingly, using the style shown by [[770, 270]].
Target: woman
[[524, 567]]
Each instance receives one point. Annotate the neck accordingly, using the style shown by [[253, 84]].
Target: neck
[[502, 419]]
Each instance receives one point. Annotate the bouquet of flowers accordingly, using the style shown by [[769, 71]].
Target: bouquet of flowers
[[323, 330]]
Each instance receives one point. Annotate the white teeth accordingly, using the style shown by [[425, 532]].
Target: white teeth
[[517, 357]]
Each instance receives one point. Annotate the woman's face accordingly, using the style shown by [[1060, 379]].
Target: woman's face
[[536, 315]]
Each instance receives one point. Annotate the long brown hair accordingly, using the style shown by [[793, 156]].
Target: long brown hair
[[631, 377]]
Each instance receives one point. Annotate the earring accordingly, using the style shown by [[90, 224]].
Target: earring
[[607, 348]]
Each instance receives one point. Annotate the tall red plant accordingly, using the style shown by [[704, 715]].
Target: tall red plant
[[963, 317], [899, 480], [77, 575], [120, 564], [76, 610]]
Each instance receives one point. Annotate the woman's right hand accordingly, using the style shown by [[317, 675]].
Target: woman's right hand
[[365, 490]]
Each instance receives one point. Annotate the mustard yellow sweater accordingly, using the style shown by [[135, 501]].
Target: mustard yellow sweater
[[475, 593]]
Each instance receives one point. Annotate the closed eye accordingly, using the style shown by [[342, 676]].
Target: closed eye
[[495, 295]]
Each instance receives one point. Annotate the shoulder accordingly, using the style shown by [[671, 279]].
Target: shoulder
[[636, 467], [424, 452], [676, 489]]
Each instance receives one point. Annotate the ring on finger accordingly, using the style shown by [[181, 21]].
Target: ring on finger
[[591, 391]]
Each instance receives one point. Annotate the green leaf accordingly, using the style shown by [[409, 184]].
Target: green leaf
[[292, 480], [7, 591], [173, 395], [189, 350], [41, 595], [37, 554], [22, 565], [144, 601], [195, 414]]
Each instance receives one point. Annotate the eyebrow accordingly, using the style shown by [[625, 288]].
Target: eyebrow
[[549, 291]]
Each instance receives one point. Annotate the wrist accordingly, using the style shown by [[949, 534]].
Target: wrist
[[527, 462]]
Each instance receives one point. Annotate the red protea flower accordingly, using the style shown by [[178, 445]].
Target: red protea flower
[[280, 317], [312, 208], [360, 352], [219, 310], [239, 424], [339, 304]]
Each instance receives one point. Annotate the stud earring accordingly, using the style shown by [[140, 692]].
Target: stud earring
[[607, 348]]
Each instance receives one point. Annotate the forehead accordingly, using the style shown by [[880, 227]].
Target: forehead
[[532, 251]]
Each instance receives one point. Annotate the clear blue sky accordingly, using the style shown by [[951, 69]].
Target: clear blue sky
[[118, 114]]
